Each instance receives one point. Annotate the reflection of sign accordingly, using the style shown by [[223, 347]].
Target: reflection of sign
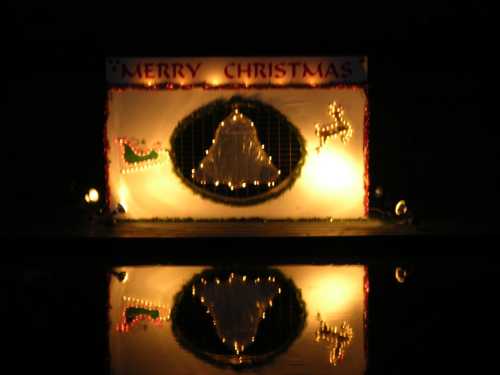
[[219, 71]]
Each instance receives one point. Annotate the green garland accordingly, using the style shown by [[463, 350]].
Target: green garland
[[271, 339], [131, 157], [223, 106]]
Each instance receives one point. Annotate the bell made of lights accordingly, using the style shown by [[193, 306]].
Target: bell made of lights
[[237, 306], [236, 157]]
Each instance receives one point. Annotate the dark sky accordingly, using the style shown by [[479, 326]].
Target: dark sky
[[429, 142]]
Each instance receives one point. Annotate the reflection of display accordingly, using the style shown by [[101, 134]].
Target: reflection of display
[[338, 127], [236, 157], [135, 157], [337, 339], [137, 310], [238, 319]]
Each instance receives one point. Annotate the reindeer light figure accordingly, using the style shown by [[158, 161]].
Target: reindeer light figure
[[338, 127]]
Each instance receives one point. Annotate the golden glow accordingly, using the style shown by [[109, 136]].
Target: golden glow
[[122, 196], [331, 171], [93, 195], [87, 198], [336, 292]]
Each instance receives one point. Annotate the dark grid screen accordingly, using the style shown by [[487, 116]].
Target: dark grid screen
[[195, 133]]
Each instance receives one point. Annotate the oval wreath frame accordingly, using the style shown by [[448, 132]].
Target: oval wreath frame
[[223, 360], [225, 106]]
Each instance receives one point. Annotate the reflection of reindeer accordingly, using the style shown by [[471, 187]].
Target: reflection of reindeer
[[338, 127], [337, 339]]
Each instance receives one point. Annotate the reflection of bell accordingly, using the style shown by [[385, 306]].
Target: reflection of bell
[[238, 319], [236, 157], [237, 306]]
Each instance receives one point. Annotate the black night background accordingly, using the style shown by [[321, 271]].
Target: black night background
[[430, 145]]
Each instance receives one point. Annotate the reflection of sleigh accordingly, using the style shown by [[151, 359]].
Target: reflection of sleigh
[[135, 157]]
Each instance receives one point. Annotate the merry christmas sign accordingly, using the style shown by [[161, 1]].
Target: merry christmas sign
[[230, 138]]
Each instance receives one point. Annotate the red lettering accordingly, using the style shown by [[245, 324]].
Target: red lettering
[[331, 70], [346, 69], [270, 70], [294, 68], [148, 70], [308, 71], [259, 69], [126, 72], [174, 68], [226, 70], [280, 68], [192, 69], [247, 71], [163, 70]]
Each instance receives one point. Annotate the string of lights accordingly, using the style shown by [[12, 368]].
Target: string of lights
[[137, 310], [135, 157], [337, 339], [200, 290], [338, 127]]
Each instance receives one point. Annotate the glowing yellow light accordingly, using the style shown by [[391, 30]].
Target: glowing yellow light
[[401, 208], [93, 195], [216, 183], [331, 171], [122, 196], [400, 275], [244, 185], [87, 198]]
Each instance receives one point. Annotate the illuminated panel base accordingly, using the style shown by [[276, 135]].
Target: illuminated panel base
[[331, 183]]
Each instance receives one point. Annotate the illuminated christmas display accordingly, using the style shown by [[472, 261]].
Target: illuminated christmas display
[[241, 143]]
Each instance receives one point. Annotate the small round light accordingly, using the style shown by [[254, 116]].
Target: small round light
[[401, 208], [400, 275], [93, 195], [379, 191]]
